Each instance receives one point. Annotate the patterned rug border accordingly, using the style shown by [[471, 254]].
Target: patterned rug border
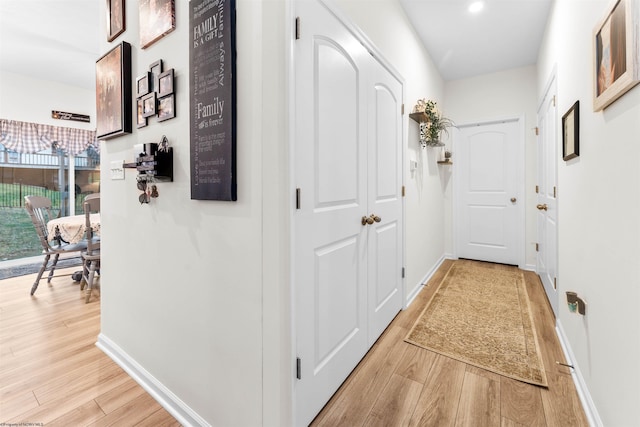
[[543, 383]]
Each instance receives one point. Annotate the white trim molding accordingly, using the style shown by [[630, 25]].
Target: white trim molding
[[589, 407], [420, 285], [169, 401]]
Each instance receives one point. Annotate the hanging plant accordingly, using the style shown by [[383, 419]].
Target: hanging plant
[[434, 125]]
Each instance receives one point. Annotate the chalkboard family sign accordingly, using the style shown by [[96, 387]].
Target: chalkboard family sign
[[212, 87]]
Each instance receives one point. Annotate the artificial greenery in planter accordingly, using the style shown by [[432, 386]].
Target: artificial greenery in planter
[[434, 125]]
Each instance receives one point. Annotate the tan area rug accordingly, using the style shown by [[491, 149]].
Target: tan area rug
[[481, 315]]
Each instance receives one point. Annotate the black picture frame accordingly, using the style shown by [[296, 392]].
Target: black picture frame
[[166, 107], [113, 97], [571, 132], [141, 120], [149, 104], [165, 83], [155, 69], [116, 22], [157, 19], [143, 85]]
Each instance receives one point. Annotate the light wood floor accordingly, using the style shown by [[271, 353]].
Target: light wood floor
[[399, 384], [52, 373]]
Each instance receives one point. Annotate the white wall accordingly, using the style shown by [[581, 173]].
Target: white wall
[[29, 99], [509, 93], [198, 293], [599, 211], [427, 186], [182, 284]]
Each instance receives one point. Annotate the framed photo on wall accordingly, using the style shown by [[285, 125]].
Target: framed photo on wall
[[165, 83], [113, 92], [116, 23], [157, 19], [616, 53], [571, 132], [166, 108]]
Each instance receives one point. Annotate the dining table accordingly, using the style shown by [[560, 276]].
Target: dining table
[[72, 229]]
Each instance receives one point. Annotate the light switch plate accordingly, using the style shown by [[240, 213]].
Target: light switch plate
[[117, 170]]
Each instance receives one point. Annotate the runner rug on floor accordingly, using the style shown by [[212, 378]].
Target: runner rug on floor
[[481, 315]]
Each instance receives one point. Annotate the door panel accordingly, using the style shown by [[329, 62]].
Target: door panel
[[487, 219], [385, 248], [336, 138], [547, 193], [331, 170]]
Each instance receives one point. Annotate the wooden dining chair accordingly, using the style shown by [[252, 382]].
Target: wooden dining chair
[[91, 256], [39, 210]]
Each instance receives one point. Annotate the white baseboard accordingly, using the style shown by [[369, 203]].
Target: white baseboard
[[176, 407], [589, 407], [425, 279], [530, 267]]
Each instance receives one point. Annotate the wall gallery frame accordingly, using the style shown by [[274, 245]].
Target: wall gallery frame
[[113, 92], [616, 42], [571, 132], [157, 19], [116, 23]]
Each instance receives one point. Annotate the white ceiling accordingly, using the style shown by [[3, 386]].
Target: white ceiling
[[505, 34], [59, 40], [51, 39]]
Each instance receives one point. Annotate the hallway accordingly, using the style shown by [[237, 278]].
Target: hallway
[[400, 384]]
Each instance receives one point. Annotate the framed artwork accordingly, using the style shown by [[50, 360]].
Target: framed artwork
[[157, 19], [155, 69], [166, 108], [165, 83], [141, 120], [149, 104], [571, 132], [116, 23], [143, 85], [113, 92], [616, 53]]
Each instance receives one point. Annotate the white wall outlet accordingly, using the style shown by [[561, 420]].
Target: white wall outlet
[[117, 170]]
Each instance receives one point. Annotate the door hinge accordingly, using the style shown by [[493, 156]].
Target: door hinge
[[298, 368], [537, 247], [403, 272], [403, 191], [297, 28], [537, 189], [554, 192], [554, 100], [297, 198], [555, 283], [402, 109], [537, 129]]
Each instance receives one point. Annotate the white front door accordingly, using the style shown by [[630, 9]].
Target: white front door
[[489, 195], [547, 210], [348, 158]]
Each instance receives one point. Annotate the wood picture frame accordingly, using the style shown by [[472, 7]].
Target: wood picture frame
[[113, 92], [116, 22], [571, 132], [149, 104], [616, 53], [166, 107], [141, 120], [157, 19], [165, 83], [155, 69], [143, 84]]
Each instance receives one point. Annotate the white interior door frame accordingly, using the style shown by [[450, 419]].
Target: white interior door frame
[[520, 184]]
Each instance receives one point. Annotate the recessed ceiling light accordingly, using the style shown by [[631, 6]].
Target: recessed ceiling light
[[476, 6]]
